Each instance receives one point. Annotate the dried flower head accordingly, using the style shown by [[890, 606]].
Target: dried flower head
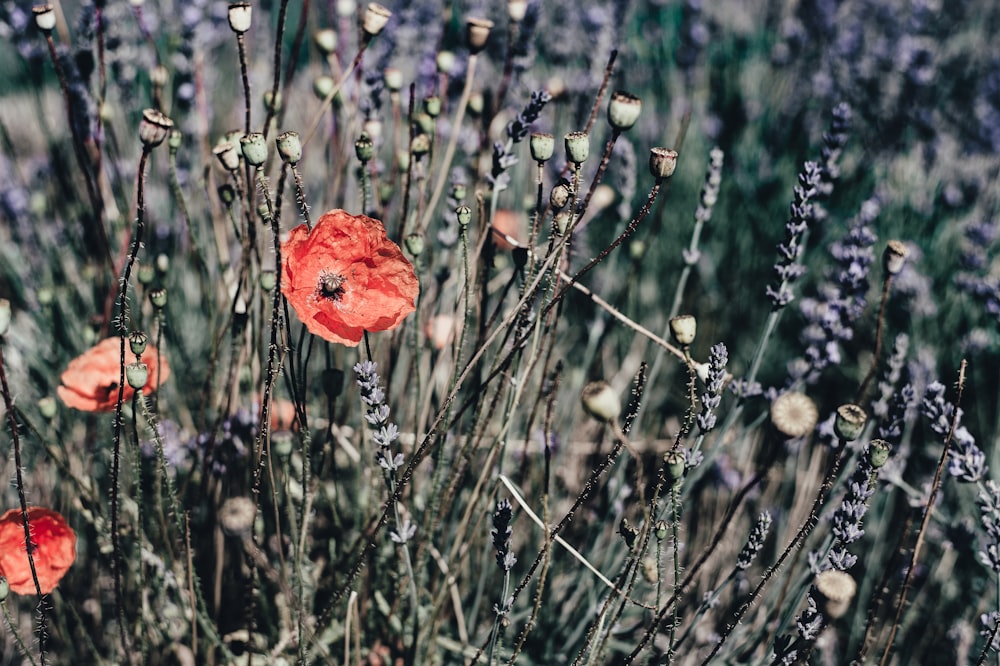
[[240, 15], [154, 128], [835, 589], [45, 17], [53, 549], [794, 414], [895, 256], [477, 33], [345, 277], [236, 516], [376, 17], [662, 162]]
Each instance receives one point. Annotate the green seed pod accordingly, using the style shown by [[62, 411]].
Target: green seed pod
[[174, 139], [145, 274], [289, 147], [662, 162], [393, 79], [323, 86], [227, 155], [560, 195], [47, 407], [137, 374], [674, 461], [445, 62], [268, 279], [137, 342], [158, 297], [577, 147], [477, 33], [464, 215], [420, 145], [254, 147], [325, 40], [878, 452], [364, 148], [432, 106], [542, 146], [458, 191], [623, 110], [414, 244], [849, 422]]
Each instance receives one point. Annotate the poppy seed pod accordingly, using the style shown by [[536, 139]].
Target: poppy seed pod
[[254, 147], [137, 342], [542, 146], [393, 79], [477, 33], [346, 8], [227, 154], [154, 127], [432, 106], [445, 62], [674, 462], [577, 147], [158, 297], [268, 279], [236, 516], [878, 452], [420, 145], [376, 16], [458, 191], [835, 589], [272, 102], [623, 110], [158, 76], [662, 162], [240, 14], [289, 147], [683, 329], [600, 401], [560, 194], [325, 40], [323, 86], [45, 17], [517, 10], [137, 374], [849, 422], [894, 257], [174, 139], [414, 244], [364, 147], [145, 274], [794, 414], [464, 215]]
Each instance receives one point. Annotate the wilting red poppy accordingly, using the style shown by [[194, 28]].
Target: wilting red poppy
[[90, 382], [54, 544], [346, 277]]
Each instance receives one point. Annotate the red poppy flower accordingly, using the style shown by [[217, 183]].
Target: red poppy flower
[[346, 277], [54, 544], [90, 382]]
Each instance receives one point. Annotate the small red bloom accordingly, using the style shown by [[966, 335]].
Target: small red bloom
[[54, 544], [90, 382], [346, 277]]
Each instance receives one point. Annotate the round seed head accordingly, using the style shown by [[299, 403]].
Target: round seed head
[[623, 110], [414, 244], [254, 147], [662, 162], [420, 145], [794, 414], [376, 16], [895, 256], [137, 342], [560, 194], [227, 154], [577, 147], [325, 40], [849, 422], [878, 452], [477, 33], [240, 14], [158, 297], [393, 79], [154, 127], [561, 222], [289, 147], [464, 215], [268, 279], [364, 147], [137, 374], [346, 8], [445, 62], [542, 146], [674, 461], [600, 401], [47, 407], [158, 76], [174, 139], [835, 590], [432, 106], [683, 329], [45, 17], [236, 516], [323, 86]]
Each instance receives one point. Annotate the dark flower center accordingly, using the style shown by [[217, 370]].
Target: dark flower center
[[331, 285]]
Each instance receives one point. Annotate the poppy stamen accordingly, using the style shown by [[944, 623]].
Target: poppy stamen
[[331, 285]]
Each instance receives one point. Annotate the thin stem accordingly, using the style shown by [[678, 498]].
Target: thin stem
[[242, 48], [879, 334], [271, 108]]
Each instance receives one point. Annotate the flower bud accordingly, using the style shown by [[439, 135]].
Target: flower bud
[[623, 110], [376, 16], [477, 32], [577, 147], [445, 62], [154, 127], [240, 14], [364, 148], [323, 86], [268, 279], [414, 244], [325, 40], [662, 162], [289, 147], [272, 102], [562, 221], [517, 9], [137, 374], [560, 194], [393, 79], [661, 530], [600, 401], [158, 297], [332, 382], [542, 146], [254, 147], [458, 191], [45, 17], [835, 590], [878, 452], [137, 342], [894, 257], [849, 422], [174, 139], [432, 106], [683, 329], [4, 316], [464, 215]]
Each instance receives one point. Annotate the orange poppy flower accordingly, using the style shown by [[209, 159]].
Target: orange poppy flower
[[346, 277], [54, 544], [90, 382]]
